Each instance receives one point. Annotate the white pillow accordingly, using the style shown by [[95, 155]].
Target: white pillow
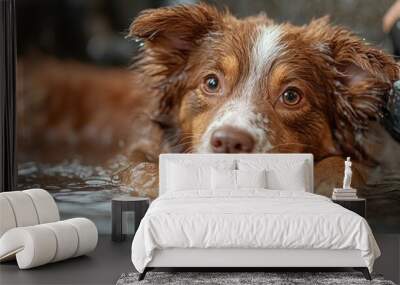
[[281, 174], [182, 177], [293, 178], [251, 178], [223, 179]]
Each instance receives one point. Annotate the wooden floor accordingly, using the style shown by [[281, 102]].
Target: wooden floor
[[102, 266]]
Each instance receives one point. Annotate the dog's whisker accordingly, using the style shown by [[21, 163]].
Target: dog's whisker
[[183, 145], [189, 150]]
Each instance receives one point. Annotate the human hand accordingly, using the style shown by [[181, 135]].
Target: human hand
[[391, 16]]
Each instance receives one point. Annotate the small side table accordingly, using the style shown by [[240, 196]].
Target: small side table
[[358, 206], [120, 206]]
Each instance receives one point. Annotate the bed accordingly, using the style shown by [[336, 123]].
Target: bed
[[246, 211]]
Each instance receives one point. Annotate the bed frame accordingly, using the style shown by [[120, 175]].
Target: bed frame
[[250, 259], [246, 259]]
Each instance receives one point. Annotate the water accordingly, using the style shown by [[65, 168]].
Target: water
[[73, 175], [79, 189]]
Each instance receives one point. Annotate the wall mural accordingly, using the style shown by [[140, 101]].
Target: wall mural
[[90, 127]]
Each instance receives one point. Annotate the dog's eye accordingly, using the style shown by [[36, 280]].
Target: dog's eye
[[211, 84], [291, 97]]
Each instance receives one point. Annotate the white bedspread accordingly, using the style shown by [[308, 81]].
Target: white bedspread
[[250, 219]]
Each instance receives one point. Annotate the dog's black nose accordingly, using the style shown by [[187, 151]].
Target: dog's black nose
[[229, 139]]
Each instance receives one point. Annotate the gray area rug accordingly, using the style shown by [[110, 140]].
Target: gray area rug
[[243, 278]]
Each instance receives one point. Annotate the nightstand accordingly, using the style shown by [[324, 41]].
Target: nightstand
[[358, 206], [127, 212]]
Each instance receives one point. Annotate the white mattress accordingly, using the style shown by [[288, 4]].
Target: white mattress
[[253, 219]]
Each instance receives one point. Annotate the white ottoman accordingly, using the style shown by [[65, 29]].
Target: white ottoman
[[31, 232]]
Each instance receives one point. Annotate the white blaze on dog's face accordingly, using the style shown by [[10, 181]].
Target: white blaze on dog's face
[[231, 85], [240, 111]]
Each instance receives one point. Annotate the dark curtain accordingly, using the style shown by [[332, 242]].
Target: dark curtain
[[7, 95]]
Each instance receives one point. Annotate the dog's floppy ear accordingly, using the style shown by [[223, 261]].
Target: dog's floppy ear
[[177, 26], [172, 32], [362, 75], [169, 35]]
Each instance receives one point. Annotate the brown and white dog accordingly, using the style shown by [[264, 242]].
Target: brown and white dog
[[250, 85]]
